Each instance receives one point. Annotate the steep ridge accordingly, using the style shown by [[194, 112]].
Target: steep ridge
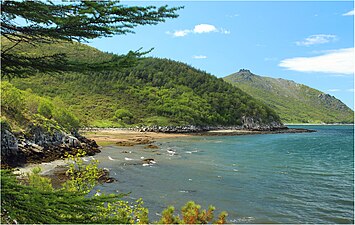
[[295, 103]]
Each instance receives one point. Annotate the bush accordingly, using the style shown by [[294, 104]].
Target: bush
[[66, 119], [192, 214], [123, 115], [45, 108], [11, 98]]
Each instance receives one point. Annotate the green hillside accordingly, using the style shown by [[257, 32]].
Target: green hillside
[[295, 103], [151, 92], [22, 109]]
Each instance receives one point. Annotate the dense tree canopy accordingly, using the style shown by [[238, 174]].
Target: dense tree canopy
[[38, 22], [155, 92]]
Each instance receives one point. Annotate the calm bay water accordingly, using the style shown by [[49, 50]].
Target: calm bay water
[[273, 178]]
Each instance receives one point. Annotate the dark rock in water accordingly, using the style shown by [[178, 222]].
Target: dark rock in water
[[125, 143], [148, 160], [134, 141], [151, 147], [105, 177]]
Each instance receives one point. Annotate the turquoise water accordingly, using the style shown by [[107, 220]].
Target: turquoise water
[[273, 178]]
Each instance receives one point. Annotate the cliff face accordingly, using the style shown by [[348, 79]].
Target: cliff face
[[295, 103]]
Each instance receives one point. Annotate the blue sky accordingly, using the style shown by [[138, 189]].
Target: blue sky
[[309, 42]]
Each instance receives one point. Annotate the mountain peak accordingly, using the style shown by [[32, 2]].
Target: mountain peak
[[245, 71], [244, 74]]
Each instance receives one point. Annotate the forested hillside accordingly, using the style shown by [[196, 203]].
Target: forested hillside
[[295, 103], [150, 91]]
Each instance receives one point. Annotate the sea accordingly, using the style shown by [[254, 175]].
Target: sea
[[267, 178]]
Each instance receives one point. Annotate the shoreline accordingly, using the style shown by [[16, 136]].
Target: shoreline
[[107, 136], [128, 138]]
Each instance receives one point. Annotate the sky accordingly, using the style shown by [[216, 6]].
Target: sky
[[311, 43]]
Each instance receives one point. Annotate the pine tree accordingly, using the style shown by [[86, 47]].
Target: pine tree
[[37, 22]]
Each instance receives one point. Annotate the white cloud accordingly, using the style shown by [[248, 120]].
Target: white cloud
[[350, 90], [339, 61], [350, 13], [204, 28], [199, 57], [333, 90], [317, 39], [181, 33], [199, 29]]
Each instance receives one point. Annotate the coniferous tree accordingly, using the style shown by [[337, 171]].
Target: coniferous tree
[[38, 22]]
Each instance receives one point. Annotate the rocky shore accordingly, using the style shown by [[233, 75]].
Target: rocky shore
[[203, 130], [190, 129], [36, 145]]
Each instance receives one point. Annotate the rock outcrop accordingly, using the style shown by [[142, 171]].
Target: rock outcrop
[[248, 123], [251, 123], [39, 145]]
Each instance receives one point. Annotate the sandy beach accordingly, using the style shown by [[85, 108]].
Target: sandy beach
[[108, 136]]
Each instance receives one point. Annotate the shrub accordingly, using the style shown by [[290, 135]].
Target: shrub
[[192, 214], [66, 119], [45, 108], [124, 115], [11, 98]]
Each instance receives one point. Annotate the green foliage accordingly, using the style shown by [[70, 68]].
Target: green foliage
[[21, 108], [294, 102], [46, 22], [82, 177], [32, 204], [130, 213], [66, 119], [192, 214], [154, 91], [38, 182], [45, 108], [167, 216], [123, 115], [11, 98]]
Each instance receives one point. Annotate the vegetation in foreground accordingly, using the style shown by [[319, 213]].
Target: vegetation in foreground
[[34, 200], [295, 103]]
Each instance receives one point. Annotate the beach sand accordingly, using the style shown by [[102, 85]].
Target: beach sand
[[104, 137]]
